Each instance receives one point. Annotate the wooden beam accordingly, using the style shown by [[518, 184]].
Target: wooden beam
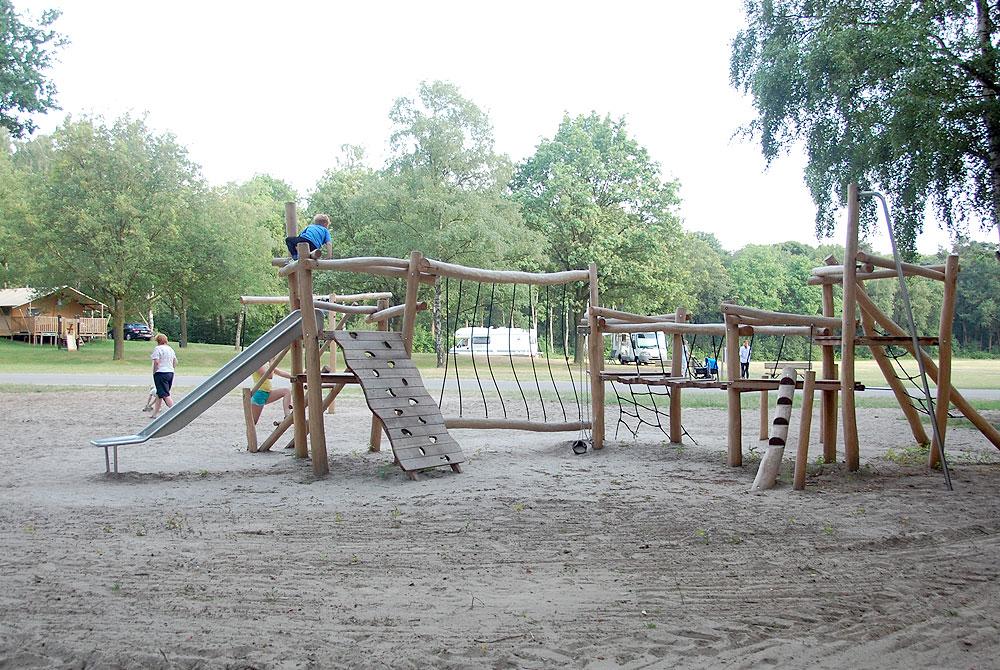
[[677, 370], [248, 420], [766, 317], [909, 269], [314, 389], [828, 399], [410, 302], [455, 422], [848, 411], [805, 426], [944, 356], [443, 269], [392, 312], [734, 419], [669, 327], [595, 351], [629, 317], [764, 426]]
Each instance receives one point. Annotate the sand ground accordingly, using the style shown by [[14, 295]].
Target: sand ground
[[644, 554]]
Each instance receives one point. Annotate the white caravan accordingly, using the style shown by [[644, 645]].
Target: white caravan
[[496, 341], [646, 347]]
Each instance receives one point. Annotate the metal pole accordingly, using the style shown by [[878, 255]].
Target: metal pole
[[917, 351]]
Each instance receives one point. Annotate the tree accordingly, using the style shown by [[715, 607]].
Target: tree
[[900, 96], [594, 195], [16, 260], [108, 201], [26, 52]]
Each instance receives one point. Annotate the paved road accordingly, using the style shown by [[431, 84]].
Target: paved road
[[186, 381]]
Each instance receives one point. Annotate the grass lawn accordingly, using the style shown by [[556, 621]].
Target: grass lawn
[[204, 359]]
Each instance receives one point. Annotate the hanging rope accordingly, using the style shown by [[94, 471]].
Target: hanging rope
[[472, 350]]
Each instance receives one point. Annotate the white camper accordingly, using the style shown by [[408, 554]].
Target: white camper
[[641, 347], [496, 341]]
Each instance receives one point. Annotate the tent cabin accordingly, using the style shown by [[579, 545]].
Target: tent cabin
[[38, 314]]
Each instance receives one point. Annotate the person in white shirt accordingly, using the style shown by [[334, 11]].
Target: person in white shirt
[[745, 360], [164, 361]]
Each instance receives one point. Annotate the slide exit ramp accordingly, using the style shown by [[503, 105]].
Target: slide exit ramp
[[229, 377]]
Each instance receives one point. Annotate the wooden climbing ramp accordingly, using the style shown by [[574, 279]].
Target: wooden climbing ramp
[[395, 393]]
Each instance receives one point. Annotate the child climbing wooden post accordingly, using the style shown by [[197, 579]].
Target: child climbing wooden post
[[298, 391], [314, 378]]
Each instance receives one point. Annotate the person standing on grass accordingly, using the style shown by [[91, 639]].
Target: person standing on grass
[[316, 235], [164, 361], [745, 360]]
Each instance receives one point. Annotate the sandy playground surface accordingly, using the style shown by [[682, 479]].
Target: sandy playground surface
[[201, 555]]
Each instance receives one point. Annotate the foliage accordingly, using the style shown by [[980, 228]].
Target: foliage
[[977, 306], [107, 199], [594, 194], [26, 52], [897, 96]]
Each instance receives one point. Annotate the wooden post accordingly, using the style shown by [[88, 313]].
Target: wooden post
[[595, 352], [885, 365], [248, 419], [298, 391], [944, 356], [375, 437], [410, 306], [735, 418], [676, 370], [848, 411], [331, 323], [828, 410], [805, 425], [763, 414], [314, 378]]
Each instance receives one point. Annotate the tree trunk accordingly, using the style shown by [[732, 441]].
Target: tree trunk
[[118, 318], [438, 348], [183, 341]]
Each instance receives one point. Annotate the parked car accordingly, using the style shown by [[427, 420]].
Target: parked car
[[135, 331]]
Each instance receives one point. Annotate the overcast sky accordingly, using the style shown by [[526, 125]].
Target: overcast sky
[[263, 87]]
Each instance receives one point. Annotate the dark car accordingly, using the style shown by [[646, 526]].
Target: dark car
[[135, 331]]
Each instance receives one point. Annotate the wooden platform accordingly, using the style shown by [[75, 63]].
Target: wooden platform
[[395, 393], [877, 340]]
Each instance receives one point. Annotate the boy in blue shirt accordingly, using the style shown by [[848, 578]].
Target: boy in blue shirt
[[316, 234]]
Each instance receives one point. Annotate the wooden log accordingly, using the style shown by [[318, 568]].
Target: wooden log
[[239, 330], [410, 303], [595, 350], [392, 312], [355, 297], [443, 269], [361, 263], [298, 388], [805, 426], [314, 388], [764, 425], [248, 420], [909, 269], [734, 418], [770, 464], [454, 422], [344, 309], [944, 357], [799, 331], [669, 327], [375, 435], [828, 398], [985, 427], [765, 317], [885, 365], [676, 370], [847, 405], [838, 279], [272, 300], [629, 317]]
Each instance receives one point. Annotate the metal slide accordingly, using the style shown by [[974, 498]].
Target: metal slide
[[230, 376]]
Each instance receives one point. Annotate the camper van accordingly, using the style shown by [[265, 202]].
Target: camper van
[[496, 341], [642, 348]]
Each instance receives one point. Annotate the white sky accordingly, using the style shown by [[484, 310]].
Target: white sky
[[262, 87]]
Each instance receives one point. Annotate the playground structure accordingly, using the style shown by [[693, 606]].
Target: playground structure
[[379, 360]]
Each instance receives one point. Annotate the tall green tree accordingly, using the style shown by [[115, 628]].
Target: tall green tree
[[899, 96], [595, 195], [17, 261], [109, 199], [26, 51]]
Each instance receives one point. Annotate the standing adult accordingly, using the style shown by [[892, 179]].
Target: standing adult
[[164, 361], [745, 360]]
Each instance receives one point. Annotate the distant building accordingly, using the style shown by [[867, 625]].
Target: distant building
[[38, 315]]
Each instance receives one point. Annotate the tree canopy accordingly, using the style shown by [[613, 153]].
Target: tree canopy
[[26, 52], [897, 96]]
